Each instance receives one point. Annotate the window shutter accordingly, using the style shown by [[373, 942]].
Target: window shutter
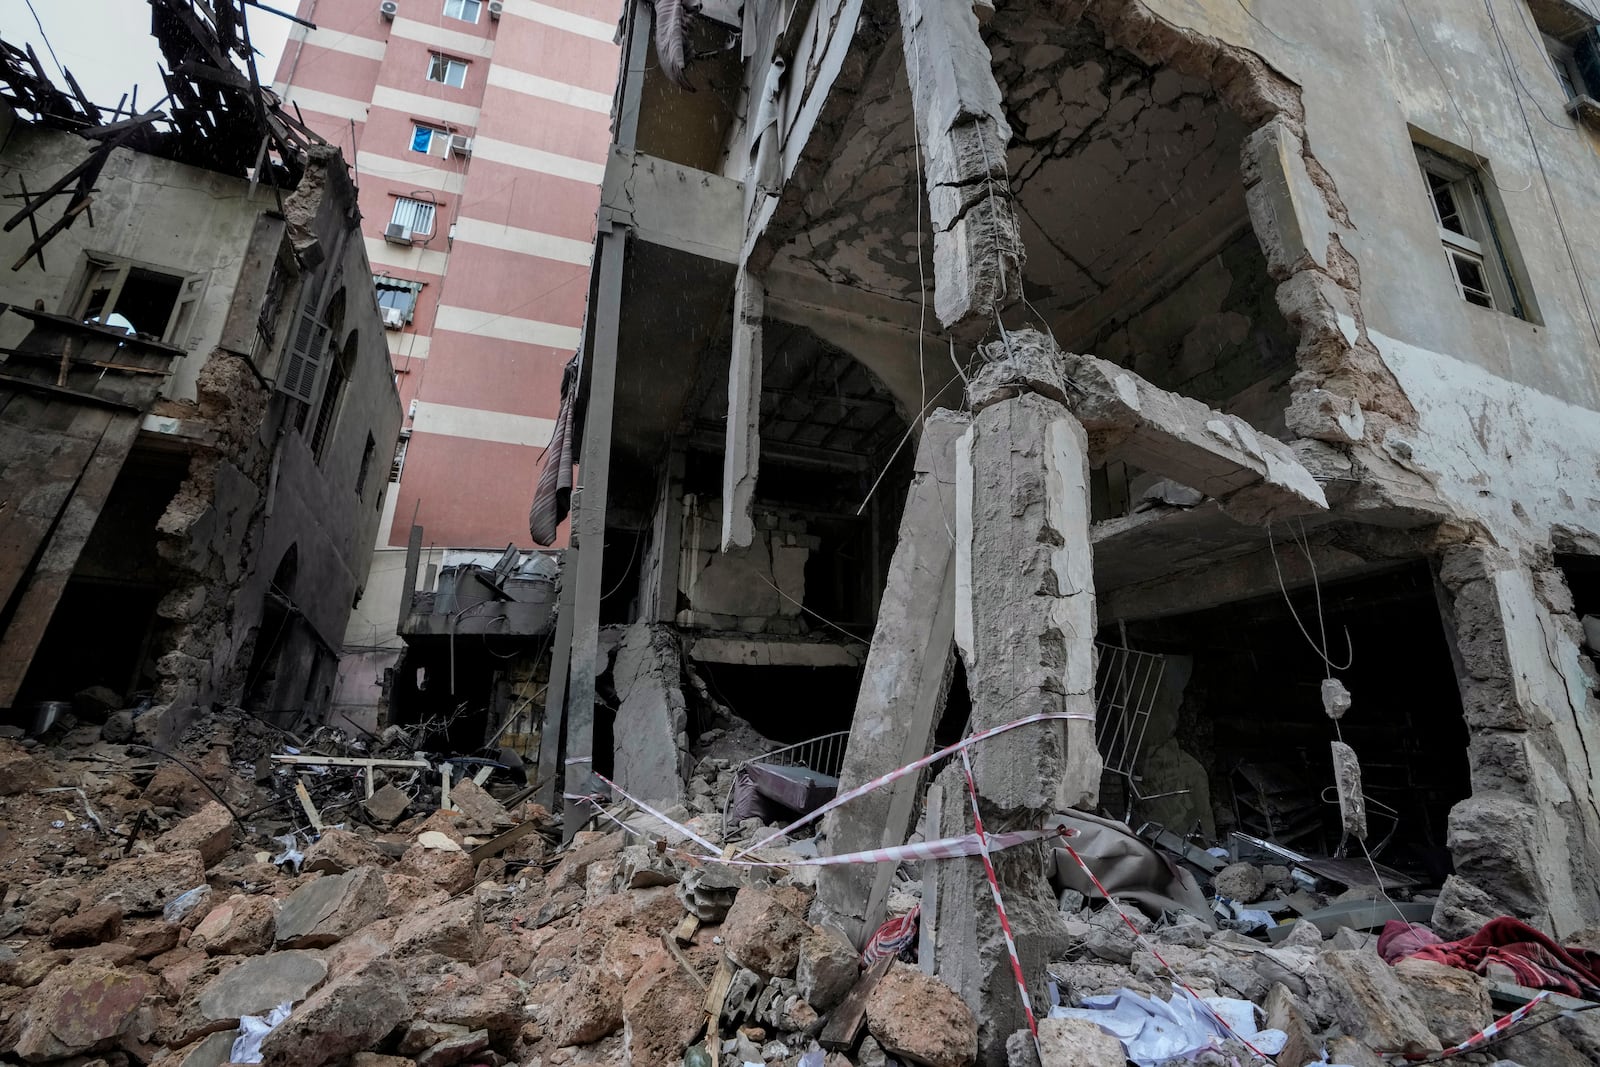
[[303, 364], [1586, 50]]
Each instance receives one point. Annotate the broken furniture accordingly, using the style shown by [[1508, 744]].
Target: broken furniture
[[799, 778]]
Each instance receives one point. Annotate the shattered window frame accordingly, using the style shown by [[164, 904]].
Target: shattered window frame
[[101, 272], [1470, 234]]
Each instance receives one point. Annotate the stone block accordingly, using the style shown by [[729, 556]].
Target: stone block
[[828, 968], [338, 851], [1077, 1043], [1242, 882], [453, 929], [146, 884], [387, 805], [920, 1018], [258, 985], [208, 831], [1286, 1013], [240, 926], [762, 934], [103, 922], [662, 1011], [588, 1007], [1454, 1001], [325, 909], [79, 1009], [453, 1050], [481, 814], [348, 1015], [1370, 1003]]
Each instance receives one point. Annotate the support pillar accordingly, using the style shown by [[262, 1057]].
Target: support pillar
[[1025, 625], [589, 521], [741, 456], [903, 686]]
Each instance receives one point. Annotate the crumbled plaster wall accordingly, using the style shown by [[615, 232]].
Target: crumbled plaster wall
[[758, 589], [650, 740]]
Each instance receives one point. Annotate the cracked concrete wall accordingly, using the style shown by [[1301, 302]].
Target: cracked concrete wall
[[758, 589], [650, 740]]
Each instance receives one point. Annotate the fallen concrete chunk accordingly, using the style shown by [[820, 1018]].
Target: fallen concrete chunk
[[1243, 882], [102, 922], [208, 831], [1077, 1043], [642, 866], [80, 1009], [240, 926], [1371, 1004], [708, 892], [387, 805], [258, 985], [453, 929], [918, 1017], [146, 884], [763, 935], [338, 851], [349, 1014], [325, 909], [481, 814], [588, 1008], [453, 1050], [827, 969], [1455, 1002], [1255, 477]]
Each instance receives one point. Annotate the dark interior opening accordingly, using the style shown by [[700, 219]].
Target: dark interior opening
[[1252, 715], [787, 705], [1583, 580]]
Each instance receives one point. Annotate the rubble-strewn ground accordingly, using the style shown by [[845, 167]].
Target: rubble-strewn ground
[[150, 905]]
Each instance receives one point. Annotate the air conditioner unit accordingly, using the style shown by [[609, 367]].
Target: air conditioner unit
[[397, 234], [389, 9], [393, 318], [496, 8], [460, 144]]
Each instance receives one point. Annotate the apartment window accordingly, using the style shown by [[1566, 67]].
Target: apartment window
[[366, 466], [1472, 242], [429, 140], [1564, 62], [447, 71], [414, 215], [396, 294], [399, 463], [137, 299], [465, 10]]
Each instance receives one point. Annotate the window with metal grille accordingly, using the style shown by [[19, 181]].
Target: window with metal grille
[[465, 10], [399, 463], [414, 215], [1473, 244], [446, 70]]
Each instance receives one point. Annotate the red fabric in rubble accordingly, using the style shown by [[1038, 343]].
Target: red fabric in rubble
[[1535, 960]]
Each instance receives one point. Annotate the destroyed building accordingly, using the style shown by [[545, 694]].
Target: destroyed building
[[198, 401], [1234, 348]]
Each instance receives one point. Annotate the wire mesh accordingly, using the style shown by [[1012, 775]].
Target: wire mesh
[[1126, 684]]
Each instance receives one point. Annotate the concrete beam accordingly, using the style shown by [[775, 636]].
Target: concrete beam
[[904, 685], [977, 244], [741, 456], [668, 204], [1256, 478]]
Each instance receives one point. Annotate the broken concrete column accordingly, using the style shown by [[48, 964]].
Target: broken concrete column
[[742, 451], [1255, 477], [1025, 619], [904, 685], [1025, 625], [650, 737], [977, 247]]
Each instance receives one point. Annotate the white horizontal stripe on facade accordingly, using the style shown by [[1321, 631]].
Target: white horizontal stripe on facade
[[425, 107], [524, 158], [381, 253], [506, 327], [464, 45], [416, 175], [350, 44], [340, 107], [527, 242], [562, 20], [404, 344], [503, 77], [453, 421]]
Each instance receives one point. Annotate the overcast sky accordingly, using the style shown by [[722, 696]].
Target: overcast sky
[[107, 43]]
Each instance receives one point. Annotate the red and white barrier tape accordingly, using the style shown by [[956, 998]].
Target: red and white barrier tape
[[999, 905], [942, 849], [910, 768]]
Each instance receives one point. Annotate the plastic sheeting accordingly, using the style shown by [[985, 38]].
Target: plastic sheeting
[[1154, 1031], [252, 1029]]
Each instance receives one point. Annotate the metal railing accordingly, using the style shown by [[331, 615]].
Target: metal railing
[[1126, 684], [823, 754]]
